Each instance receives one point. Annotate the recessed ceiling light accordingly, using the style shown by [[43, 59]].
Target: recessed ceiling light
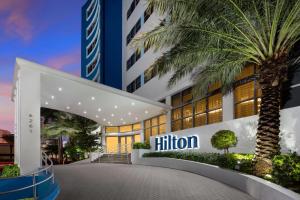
[[104, 119], [121, 119], [84, 112], [136, 118], [129, 113], [52, 97], [99, 109], [46, 103], [112, 115], [108, 122], [146, 112], [93, 98], [132, 103], [115, 106], [79, 103], [68, 107], [97, 116], [124, 122], [60, 89]]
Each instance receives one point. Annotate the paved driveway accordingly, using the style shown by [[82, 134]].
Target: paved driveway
[[135, 182]]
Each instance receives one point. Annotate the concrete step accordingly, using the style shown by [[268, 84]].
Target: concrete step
[[114, 158]]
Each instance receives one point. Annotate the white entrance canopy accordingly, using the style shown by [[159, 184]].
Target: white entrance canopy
[[37, 86]]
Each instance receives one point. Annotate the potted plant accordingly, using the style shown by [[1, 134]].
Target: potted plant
[[138, 149]]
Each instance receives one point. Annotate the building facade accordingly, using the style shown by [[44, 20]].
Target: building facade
[[236, 111], [101, 35]]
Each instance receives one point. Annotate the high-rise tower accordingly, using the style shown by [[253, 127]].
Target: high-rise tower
[[101, 42]]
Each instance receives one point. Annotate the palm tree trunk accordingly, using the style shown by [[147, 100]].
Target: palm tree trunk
[[267, 137]]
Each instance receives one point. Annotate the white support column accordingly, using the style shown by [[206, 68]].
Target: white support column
[[28, 152], [103, 136], [228, 108], [142, 132], [168, 125]]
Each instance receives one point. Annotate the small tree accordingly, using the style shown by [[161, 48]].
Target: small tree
[[223, 140]]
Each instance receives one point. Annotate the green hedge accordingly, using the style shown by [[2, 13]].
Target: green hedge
[[286, 167], [10, 171], [139, 145], [241, 162]]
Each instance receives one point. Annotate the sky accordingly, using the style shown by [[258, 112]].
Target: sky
[[46, 32]]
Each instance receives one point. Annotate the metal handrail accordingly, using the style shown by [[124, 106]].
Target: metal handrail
[[115, 150], [36, 172], [27, 187], [44, 158]]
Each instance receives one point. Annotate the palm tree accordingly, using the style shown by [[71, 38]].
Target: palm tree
[[65, 124], [212, 41]]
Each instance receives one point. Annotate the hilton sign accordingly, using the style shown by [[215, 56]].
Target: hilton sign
[[172, 142]]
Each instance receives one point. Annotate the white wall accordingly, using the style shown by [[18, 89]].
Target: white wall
[[156, 88], [28, 142], [245, 129]]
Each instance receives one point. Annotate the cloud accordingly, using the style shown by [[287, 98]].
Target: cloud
[[5, 89], [6, 107], [62, 61], [16, 21]]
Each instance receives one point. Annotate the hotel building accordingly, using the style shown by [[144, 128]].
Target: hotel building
[[189, 115]]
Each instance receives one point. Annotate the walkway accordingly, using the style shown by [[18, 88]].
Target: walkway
[[135, 182]]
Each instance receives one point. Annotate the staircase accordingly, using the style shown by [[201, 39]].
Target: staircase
[[119, 154], [119, 158]]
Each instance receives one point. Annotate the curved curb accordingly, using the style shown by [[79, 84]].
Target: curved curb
[[258, 188]]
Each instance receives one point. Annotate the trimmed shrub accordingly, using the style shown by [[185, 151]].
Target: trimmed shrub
[[223, 140], [10, 171], [286, 171], [234, 161], [139, 145]]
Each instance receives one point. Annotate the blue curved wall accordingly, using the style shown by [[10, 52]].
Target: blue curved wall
[[109, 24]]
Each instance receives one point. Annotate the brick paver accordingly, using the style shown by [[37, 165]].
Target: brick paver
[[135, 182]]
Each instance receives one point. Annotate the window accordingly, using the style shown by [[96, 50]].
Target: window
[[126, 128], [148, 13], [188, 113], [146, 47], [176, 100], [247, 99], [137, 138], [91, 47], [111, 129], [91, 28], [135, 29], [215, 108], [246, 93], [112, 144], [134, 85], [187, 96], [133, 59], [150, 73], [92, 66], [137, 126], [155, 126], [137, 82], [137, 26], [246, 72], [90, 10], [132, 7], [200, 113]]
